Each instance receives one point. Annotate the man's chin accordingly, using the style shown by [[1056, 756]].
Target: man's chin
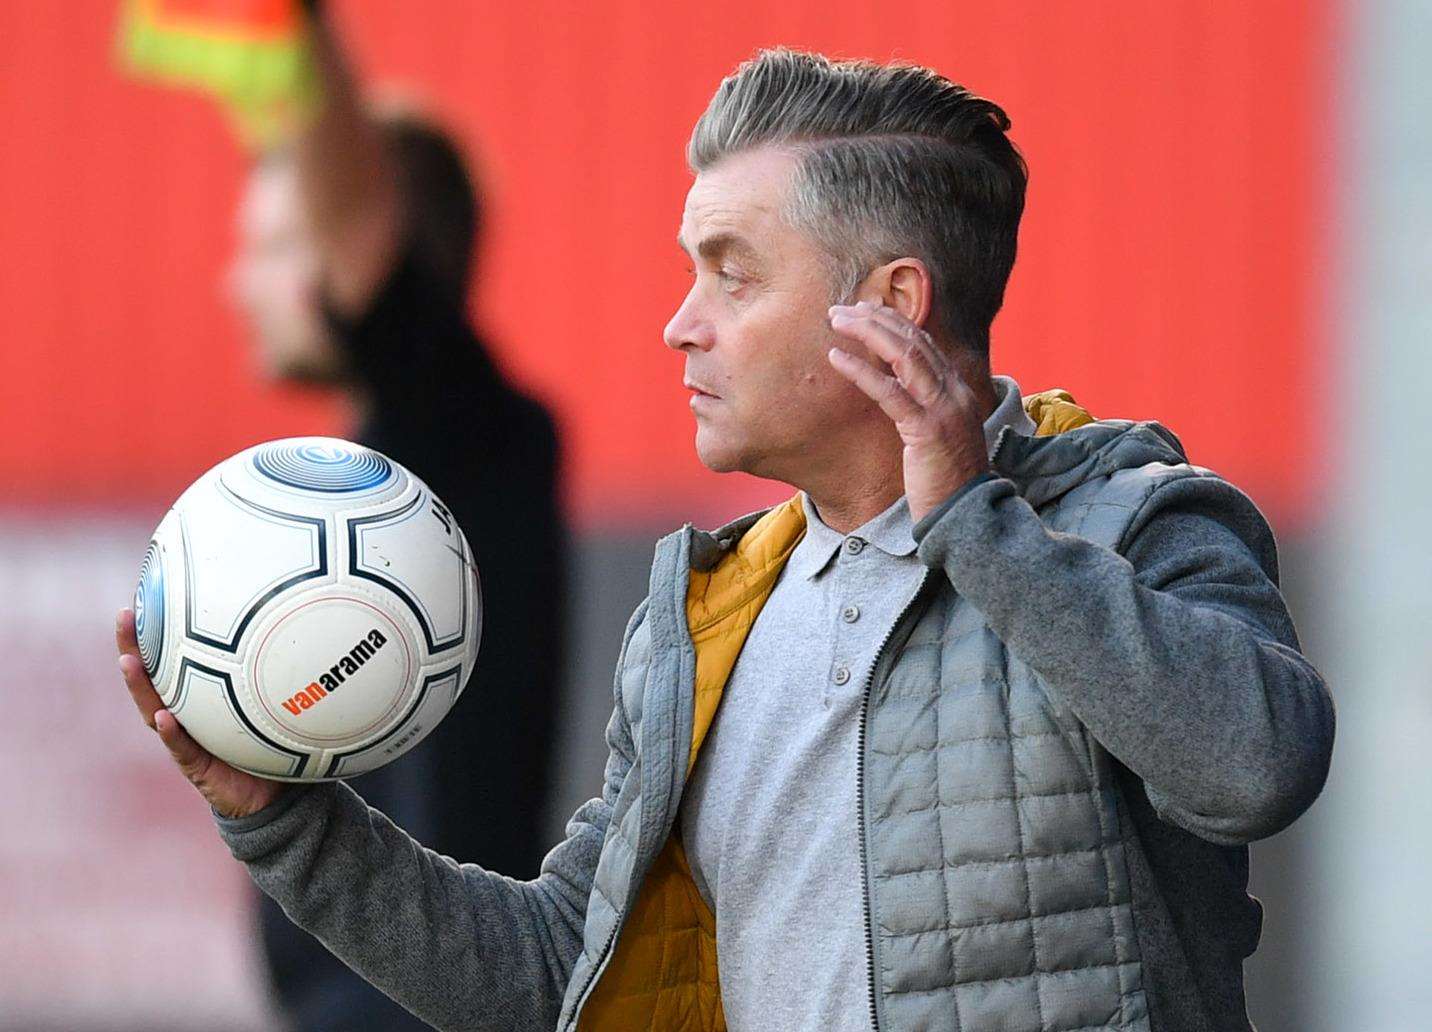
[[299, 369], [718, 456], [299, 376]]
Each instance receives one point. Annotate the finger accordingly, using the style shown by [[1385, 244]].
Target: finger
[[126, 639], [898, 348], [131, 668], [191, 757], [146, 699], [917, 336], [880, 388]]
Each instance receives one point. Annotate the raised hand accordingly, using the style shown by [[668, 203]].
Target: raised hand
[[933, 408], [230, 791]]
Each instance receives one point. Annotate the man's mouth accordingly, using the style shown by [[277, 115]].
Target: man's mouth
[[699, 391]]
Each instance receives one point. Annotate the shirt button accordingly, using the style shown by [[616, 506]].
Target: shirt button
[[842, 674], [854, 545], [850, 614]]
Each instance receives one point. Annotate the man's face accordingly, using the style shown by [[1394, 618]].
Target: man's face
[[274, 279], [754, 328]]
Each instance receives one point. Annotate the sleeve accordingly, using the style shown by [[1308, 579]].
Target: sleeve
[[1178, 655], [459, 946]]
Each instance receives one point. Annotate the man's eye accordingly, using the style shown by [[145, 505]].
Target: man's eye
[[730, 280]]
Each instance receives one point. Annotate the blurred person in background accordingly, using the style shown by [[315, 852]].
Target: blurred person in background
[[973, 732], [355, 252]]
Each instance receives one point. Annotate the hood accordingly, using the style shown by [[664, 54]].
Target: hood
[[1071, 447]]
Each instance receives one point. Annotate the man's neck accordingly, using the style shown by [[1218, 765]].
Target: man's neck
[[847, 510], [851, 493], [360, 404]]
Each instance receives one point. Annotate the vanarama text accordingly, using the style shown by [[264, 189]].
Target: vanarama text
[[346, 667]]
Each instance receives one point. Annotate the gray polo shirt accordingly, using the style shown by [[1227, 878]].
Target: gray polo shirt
[[769, 816]]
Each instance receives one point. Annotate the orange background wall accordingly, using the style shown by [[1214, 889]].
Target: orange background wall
[[1171, 261]]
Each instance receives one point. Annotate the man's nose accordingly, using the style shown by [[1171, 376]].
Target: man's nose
[[689, 327]]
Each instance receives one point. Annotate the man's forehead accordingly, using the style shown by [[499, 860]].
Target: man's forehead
[[741, 195]]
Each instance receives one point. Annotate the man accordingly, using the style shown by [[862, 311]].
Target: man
[[355, 253], [972, 733]]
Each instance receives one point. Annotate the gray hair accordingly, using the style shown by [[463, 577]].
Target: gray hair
[[895, 161]]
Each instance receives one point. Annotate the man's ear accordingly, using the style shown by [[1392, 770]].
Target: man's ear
[[904, 285]]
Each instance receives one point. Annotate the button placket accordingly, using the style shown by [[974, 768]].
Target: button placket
[[845, 582]]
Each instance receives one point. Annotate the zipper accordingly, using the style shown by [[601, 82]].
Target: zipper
[[597, 969], [860, 797], [681, 562]]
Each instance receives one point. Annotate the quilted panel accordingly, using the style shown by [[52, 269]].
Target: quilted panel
[[1001, 893]]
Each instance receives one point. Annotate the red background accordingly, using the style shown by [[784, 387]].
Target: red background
[[1170, 268]]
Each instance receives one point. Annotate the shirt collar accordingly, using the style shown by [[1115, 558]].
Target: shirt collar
[[892, 531]]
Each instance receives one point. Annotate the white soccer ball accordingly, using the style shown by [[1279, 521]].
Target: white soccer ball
[[308, 610]]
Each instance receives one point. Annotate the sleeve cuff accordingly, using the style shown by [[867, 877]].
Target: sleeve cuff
[[938, 513], [270, 813]]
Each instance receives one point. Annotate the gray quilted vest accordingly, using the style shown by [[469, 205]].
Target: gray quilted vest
[[996, 870]]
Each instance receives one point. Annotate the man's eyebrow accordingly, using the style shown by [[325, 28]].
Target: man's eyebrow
[[718, 244]]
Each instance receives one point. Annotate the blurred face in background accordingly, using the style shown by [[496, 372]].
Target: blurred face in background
[[274, 279], [755, 332]]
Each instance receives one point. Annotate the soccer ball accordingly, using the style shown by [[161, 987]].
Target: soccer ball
[[308, 610]]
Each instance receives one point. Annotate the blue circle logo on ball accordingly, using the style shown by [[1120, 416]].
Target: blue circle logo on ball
[[149, 610], [325, 468]]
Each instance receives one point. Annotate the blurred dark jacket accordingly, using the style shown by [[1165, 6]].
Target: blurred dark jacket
[[477, 788]]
